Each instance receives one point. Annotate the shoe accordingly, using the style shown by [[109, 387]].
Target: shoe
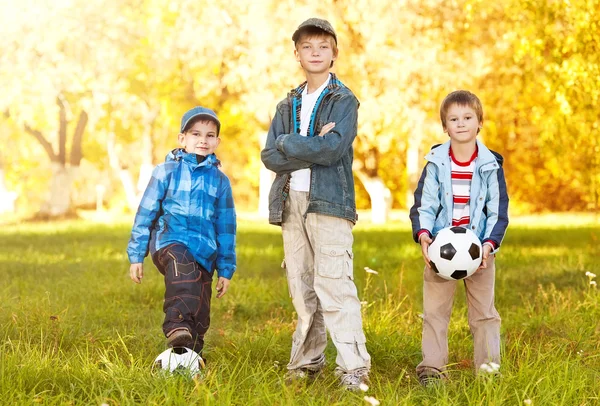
[[430, 379], [300, 374], [179, 337], [352, 380]]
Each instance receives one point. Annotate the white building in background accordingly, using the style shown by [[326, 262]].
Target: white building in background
[[7, 199]]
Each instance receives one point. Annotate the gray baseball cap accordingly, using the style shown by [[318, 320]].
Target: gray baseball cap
[[314, 23], [203, 112]]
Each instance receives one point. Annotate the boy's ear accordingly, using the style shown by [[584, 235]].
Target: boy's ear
[[180, 139]]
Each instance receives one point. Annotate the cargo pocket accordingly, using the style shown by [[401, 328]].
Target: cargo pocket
[[183, 268], [356, 340], [174, 315], [333, 261]]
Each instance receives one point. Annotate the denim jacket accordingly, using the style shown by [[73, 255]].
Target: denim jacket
[[329, 157], [433, 205]]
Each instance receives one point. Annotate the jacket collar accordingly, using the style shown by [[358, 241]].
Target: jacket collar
[[334, 84], [441, 153], [179, 154]]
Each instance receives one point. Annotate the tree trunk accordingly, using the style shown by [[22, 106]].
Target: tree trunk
[[147, 150], [381, 197], [123, 174], [133, 190], [59, 198], [264, 186], [412, 170], [413, 158], [58, 202]]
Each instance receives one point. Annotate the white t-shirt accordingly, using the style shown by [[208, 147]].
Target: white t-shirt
[[301, 178]]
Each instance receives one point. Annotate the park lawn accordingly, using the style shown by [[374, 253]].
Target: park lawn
[[75, 330]]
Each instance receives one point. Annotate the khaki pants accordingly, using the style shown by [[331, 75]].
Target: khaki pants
[[484, 320], [318, 261]]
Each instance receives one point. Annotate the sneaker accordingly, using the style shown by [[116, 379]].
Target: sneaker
[[430, 378], [300, 374], [352, 380], [179, 337]]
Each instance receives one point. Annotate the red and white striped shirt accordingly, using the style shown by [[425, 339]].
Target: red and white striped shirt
[[462, 173]]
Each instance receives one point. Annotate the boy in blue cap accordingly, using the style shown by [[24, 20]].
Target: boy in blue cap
[[309, 147], [187, 220]]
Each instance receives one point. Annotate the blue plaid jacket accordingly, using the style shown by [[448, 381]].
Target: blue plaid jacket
[[189, 203]]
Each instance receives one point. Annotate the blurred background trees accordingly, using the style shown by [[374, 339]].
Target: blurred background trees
[[93, 92]]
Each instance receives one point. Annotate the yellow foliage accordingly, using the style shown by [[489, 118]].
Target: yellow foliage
[[136, 65]]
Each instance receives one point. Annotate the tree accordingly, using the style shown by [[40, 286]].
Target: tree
[[56, 67]]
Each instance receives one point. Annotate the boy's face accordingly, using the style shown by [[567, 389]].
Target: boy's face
[[315, 53], [201, 138], [462, 124]]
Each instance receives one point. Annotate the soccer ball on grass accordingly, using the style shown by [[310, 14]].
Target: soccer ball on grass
[[179, 360]]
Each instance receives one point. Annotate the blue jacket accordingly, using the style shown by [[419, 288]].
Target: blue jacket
[[433, 206], [189, 203], [329, 157]]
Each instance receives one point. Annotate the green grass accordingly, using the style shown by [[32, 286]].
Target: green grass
[[75, 330]]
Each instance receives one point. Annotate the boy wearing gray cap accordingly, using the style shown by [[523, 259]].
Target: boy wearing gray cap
[[309, 147], [187, 220]]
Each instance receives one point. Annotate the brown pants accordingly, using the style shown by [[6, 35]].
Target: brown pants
[[319, 267], [188, 289], [484, 320]]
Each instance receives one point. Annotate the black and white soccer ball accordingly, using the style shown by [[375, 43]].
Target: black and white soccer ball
[[179, 360], [455, 253]]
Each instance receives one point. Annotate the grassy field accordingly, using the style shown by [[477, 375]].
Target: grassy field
[[75, 330]]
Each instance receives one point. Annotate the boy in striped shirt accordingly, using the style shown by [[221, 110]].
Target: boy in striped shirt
[[462, 185]]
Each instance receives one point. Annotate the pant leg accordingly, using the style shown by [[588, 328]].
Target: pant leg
[[183, 289], [202, 316], [334, 286], [310, 338], [484, 319], [438, 295]]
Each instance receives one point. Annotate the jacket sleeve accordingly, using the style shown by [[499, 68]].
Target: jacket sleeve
[[427, 201], [146, 215], [225, 228], [275, 160], [497, 209], [330, 148]]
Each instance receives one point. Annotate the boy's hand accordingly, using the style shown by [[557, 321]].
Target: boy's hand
[[486, 253], [425, 241], [136, 272], [222, 286], [326, 128]]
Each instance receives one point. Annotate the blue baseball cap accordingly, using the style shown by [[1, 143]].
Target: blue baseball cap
[[201, 112]]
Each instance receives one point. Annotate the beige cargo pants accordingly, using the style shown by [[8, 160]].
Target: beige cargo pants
[[484, 320], [319, 268]]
